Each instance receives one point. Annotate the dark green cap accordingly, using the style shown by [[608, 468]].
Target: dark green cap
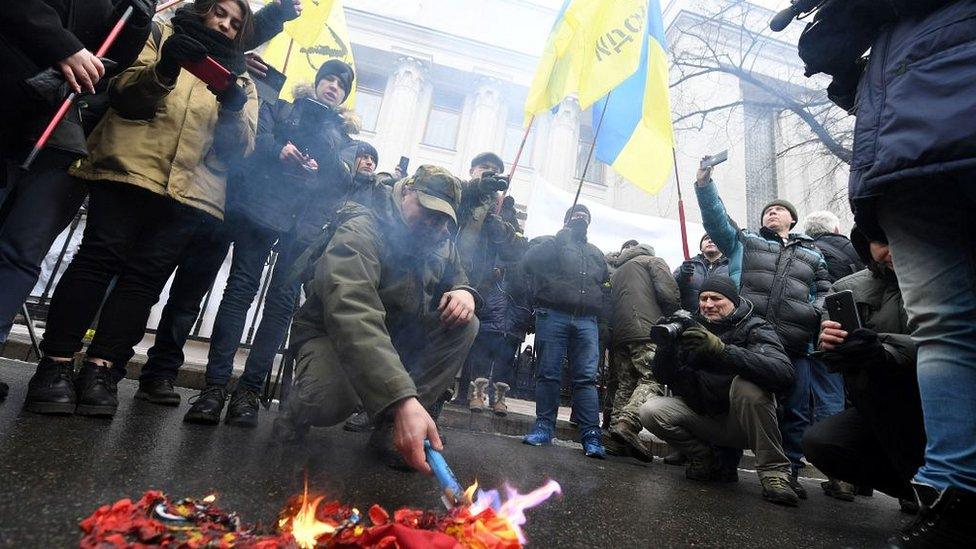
[[437, 189]]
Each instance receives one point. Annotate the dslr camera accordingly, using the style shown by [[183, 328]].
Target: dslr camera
[[670, 329]]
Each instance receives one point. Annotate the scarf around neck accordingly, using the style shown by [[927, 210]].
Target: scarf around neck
[[222, 49]]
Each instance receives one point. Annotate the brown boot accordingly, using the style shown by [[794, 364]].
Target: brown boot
[[500, 408], [479, 395]]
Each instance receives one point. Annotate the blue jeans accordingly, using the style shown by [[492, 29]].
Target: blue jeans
[[559, 335], [933, 244], [816, 395]]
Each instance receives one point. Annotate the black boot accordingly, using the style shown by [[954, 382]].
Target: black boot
[[158, 391], [243, 408], [97, 391], [51, 389], [206, 407], [945, 524]]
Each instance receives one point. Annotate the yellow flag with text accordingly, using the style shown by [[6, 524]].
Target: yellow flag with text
[[300, 61], [306, 29]]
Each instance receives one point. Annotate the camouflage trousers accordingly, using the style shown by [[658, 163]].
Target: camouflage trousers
[[635, 382]]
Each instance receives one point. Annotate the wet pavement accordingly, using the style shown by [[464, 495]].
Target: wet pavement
[[56, 470]]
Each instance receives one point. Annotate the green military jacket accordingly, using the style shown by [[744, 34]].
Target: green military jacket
[[372, 281]]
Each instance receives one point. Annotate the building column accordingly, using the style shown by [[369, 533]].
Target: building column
[[405, 104], [760, 159], [562, 146], [485, 118]]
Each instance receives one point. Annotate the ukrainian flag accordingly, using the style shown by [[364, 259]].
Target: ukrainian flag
[[636, 137]]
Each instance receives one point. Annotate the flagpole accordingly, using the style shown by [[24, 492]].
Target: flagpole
[[284, 66], [511, 172], [589, 157], [681, 207]]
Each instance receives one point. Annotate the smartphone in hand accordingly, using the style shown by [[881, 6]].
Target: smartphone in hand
[[842, 309], [715, 160]]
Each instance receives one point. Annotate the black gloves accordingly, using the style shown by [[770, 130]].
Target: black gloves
[[288, 11], [178, 49], [700, 345], [862, 348], [232, 99], [142, 11], [685, 272], [496, 228], [492, 182]]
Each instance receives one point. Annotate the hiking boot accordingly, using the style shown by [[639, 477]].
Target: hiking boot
[[243, 408], [593, 445], [624, 433], [947, 522], [499, 407], [479, 395], [287, 428], [381, 444], [838, 489], [778, 490], [51, 389], [97, 391], [540, 435], [205, 408], [675, 458], [702, 468], [357, 423], [801, 492], [158, 391]]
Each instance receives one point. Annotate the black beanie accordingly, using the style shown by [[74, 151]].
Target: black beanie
[[784, 203], [341, 70], [577, 208], [724, 285], [489, 158], [702, 240], [365, 148]]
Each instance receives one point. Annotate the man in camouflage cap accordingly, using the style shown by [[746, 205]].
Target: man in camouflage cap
[[389, 279]]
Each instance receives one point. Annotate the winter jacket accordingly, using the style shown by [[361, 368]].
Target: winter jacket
[[283, 198], [506, 310], [913, 101], [840, 255], [641, 291], [372, 282], [174, 140], [689, 287], [35, 35], [484, 240], [752, 351], [566, 274], [786, 281], [887, 394]]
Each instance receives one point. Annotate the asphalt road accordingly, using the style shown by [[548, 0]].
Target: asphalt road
[[56, 470]]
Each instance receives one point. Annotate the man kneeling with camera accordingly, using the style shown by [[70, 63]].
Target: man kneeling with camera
[[724, 365]]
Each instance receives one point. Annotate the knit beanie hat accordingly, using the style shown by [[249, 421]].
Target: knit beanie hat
[[577, 208], [702, 241], [724, 285], [491, 159], [341, 70], [784, 203]]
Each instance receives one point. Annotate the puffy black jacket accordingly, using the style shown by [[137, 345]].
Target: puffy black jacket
[[690, 287], [505, 310], [840, 255], [913, 104], [786, 281], [641, 291], [752, 350], [566, 274]]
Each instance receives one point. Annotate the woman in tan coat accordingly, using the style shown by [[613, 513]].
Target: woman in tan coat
[[158, 166]]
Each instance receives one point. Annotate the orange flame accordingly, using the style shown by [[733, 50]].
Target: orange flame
[[210, 499], [512, 510], [303, 526], [469, 493]]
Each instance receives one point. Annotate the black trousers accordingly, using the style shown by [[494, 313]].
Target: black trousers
[[135, 237]]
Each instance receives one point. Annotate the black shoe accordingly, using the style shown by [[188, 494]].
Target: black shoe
[[838, 489], [702, 468], [357, 423], [381, 444], [158, 391], [675, 458], [205, 408], [243, 408], [947, 523], [97, 391], [801, 492], [635, 445], [51, 389]]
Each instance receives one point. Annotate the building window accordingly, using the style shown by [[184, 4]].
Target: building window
[[596, 172], [443, 120], [513, 138], [368, 107]]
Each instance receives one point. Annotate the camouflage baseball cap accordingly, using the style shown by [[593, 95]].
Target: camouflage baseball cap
[[437, 189]]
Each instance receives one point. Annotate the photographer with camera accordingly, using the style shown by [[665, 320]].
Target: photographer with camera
[[912, 166], [879, 442], [724, 364]]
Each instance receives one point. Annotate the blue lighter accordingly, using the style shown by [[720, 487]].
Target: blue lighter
[[451, 489]]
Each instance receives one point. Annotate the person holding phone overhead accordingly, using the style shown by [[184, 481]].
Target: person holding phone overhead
[[879, 442], [158, 166]]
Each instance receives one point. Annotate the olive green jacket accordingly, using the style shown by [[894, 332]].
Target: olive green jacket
[[372, 281]]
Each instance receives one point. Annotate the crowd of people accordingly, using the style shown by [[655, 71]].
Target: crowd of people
[[405, 291]]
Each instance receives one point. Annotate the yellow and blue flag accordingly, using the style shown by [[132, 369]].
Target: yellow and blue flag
[[636, 137]]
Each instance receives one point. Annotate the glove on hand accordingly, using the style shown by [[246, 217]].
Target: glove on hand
[[178, 49], [861, 349], [495, 227], [687, 270], [142, 12], [232, 99], [491, 182], [698, 344]]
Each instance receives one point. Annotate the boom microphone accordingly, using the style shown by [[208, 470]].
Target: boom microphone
[[797, 8]]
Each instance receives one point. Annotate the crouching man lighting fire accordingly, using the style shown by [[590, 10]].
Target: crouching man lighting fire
[[388, 321]]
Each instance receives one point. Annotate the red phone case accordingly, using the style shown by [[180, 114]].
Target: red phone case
[[211, 72]]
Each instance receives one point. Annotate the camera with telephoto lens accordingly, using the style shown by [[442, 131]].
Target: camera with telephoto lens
[[668, 331]]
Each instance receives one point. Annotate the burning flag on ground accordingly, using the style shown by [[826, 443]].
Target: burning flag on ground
[[483, 521]]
